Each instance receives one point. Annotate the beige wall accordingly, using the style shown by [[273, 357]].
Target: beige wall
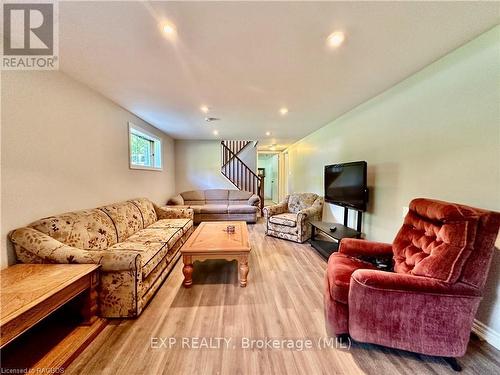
[[198, 165], [65, 147], [436, 134]]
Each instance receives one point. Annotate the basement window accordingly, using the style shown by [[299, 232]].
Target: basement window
[[145, 149]]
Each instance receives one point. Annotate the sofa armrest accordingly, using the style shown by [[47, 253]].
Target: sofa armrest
[[174, 213], [357, 247], [275, 209], [397, 282], [254, 200], [120, 260], [178, 200], [50, 250]]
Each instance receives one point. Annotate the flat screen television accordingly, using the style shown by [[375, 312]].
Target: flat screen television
[[345, 185]]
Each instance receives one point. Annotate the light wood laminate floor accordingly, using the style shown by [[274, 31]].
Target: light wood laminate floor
[[283, 300]]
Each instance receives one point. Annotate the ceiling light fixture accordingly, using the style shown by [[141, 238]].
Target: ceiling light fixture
[[283, 111], [168, 28], [204, 108], [336, 39], [216, 132], [268, 133]]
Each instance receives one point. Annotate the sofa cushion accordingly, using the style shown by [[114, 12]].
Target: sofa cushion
[[300, 201], [184, 224], [194, 203], [126, 217], [163, 235], [241, 209], [239, 195], [193, 195], [147, 210], [288, 219], [214, 209], [153, 244], [151, 253], [239, 202], [294, 231], [340, 269], [86, 229], [216, 196]]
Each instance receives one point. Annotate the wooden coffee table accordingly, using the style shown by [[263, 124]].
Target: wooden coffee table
[[211, 241]]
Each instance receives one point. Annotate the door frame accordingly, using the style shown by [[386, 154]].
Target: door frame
[[280, 170]]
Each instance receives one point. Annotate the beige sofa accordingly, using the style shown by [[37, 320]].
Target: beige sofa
[[219, 204], [136, 243]]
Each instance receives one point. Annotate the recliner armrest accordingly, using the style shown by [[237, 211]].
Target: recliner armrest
[[356, 247], [398, 282]]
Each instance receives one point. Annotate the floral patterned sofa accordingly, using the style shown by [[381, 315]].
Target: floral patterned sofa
[[135, 242], [290, 218]]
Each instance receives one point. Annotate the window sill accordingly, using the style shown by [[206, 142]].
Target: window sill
[[142, 167]]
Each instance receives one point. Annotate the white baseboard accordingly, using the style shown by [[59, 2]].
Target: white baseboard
[[486, 333]]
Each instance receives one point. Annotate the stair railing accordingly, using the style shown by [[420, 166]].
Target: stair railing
[[240, 175]]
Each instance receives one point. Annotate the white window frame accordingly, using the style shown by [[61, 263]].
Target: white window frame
[[157, 145]]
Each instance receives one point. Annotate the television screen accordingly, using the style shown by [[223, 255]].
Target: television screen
[[345, 185]]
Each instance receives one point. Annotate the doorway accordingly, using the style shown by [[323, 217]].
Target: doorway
[[268, 165]]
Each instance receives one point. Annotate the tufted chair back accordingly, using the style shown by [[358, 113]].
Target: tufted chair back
[[446, 241]]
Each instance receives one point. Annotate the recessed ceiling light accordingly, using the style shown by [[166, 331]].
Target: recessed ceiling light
[[204, 108], [268, 133], [216, 132], [336, 39], [168, 28], [283, 111]]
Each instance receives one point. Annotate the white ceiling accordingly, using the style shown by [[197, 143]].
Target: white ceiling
[[247, 59]]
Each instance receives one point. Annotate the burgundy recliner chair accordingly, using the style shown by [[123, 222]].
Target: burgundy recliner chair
[[441, 257]]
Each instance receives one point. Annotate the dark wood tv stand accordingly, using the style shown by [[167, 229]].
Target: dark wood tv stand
[[326, 248]]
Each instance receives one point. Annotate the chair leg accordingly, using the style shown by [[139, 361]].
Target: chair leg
[[453, 363]]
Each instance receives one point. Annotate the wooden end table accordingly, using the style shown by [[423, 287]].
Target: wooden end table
[[211, 241], [31, 292]]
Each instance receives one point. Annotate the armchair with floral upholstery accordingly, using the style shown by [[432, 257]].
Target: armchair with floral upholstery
[[290, 218]]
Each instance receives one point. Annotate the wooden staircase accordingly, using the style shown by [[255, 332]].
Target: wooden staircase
[[236, 171]]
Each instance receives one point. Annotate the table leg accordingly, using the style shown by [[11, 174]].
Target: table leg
[[89, 309], [187, 270], [243, 263]]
